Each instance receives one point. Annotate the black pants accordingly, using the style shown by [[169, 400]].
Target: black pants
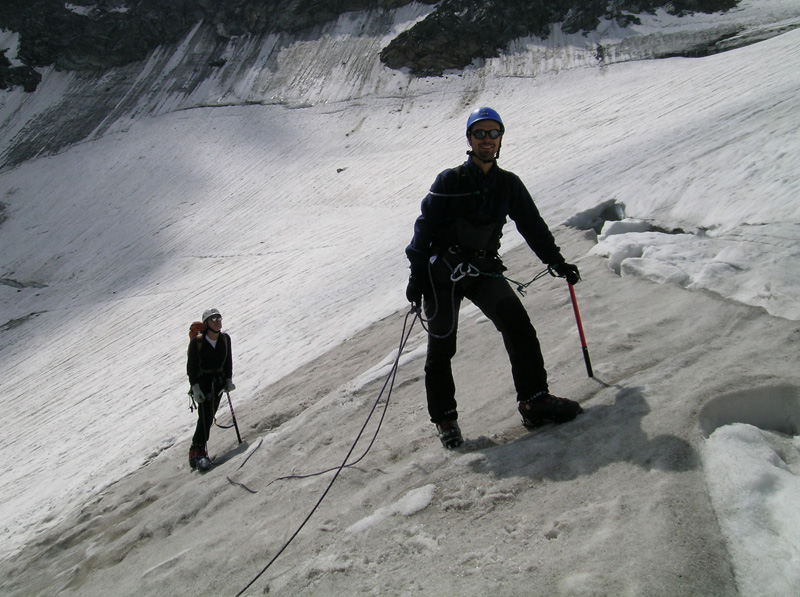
[[205, 413], [498, 301]]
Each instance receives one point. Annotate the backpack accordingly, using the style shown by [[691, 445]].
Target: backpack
[[197, 327], [197, 331]]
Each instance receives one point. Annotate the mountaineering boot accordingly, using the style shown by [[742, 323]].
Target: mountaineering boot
[[198, 457], [195, 452], [450, 434], [548, 409]]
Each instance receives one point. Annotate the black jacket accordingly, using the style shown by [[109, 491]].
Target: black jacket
[[468, 208], [206, 364]]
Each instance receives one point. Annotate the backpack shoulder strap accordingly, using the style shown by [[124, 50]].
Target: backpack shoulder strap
[[224, 337], [225, 342]]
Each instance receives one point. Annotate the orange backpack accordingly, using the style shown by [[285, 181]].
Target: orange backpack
[[197, 327]]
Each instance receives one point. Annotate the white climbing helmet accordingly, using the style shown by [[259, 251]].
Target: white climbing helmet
[[210, 313]]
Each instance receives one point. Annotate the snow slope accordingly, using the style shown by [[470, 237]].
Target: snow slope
[[291, 219]]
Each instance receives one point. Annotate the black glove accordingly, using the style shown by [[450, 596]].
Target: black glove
[[416, 289], [566, 270]]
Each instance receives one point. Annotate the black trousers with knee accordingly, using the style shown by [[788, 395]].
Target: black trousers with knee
[[205, 413], [498, 301]]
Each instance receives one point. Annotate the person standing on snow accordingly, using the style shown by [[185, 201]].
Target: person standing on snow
[[453, 255], [210, 369]]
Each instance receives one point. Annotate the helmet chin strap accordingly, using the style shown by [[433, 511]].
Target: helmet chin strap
[[496, 157], [475, 156]]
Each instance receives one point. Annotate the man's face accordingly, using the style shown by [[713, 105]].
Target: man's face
[[487, 147]]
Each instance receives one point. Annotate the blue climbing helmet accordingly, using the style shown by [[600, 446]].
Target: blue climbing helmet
[[484, 114]]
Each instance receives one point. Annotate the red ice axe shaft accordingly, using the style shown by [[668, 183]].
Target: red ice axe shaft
[[580, 330]]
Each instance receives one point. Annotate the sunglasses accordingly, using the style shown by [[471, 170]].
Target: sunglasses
[[481, 134], [215, 318]]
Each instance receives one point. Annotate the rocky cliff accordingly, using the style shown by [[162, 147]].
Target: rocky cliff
[[99, 64], [100, 34]]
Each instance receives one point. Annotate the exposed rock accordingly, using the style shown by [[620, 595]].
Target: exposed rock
[[12, 76], [100, 34], [459, 31]]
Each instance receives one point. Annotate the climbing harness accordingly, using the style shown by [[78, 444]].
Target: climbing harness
[[458, 273]]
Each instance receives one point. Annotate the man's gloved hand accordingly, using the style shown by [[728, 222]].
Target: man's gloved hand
[[566, 270], [416, 289], [229, 385], [413, 293], [197, 394]]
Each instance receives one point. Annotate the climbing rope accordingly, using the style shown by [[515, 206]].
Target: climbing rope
[[458, 273], [390, 378], [521, 286]]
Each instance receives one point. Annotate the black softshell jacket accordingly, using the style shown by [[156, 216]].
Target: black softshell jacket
[[468, 208], [207, 364]]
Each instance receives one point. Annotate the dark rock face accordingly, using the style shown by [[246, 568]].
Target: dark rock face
[[459, 31], [100, 34], [13, 76]]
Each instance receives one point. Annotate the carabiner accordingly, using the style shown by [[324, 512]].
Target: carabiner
[[459, 273]]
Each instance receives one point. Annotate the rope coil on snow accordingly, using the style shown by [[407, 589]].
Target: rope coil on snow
[[345, 464]]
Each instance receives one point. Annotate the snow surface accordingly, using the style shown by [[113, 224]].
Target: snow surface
[[680, 478]]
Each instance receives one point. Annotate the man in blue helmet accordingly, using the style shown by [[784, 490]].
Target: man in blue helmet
[[453, 256]]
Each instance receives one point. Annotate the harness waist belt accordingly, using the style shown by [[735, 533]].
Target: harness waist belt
[[478, 253]]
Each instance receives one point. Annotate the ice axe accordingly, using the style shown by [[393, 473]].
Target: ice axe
[[580, 330], [233, 415]]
